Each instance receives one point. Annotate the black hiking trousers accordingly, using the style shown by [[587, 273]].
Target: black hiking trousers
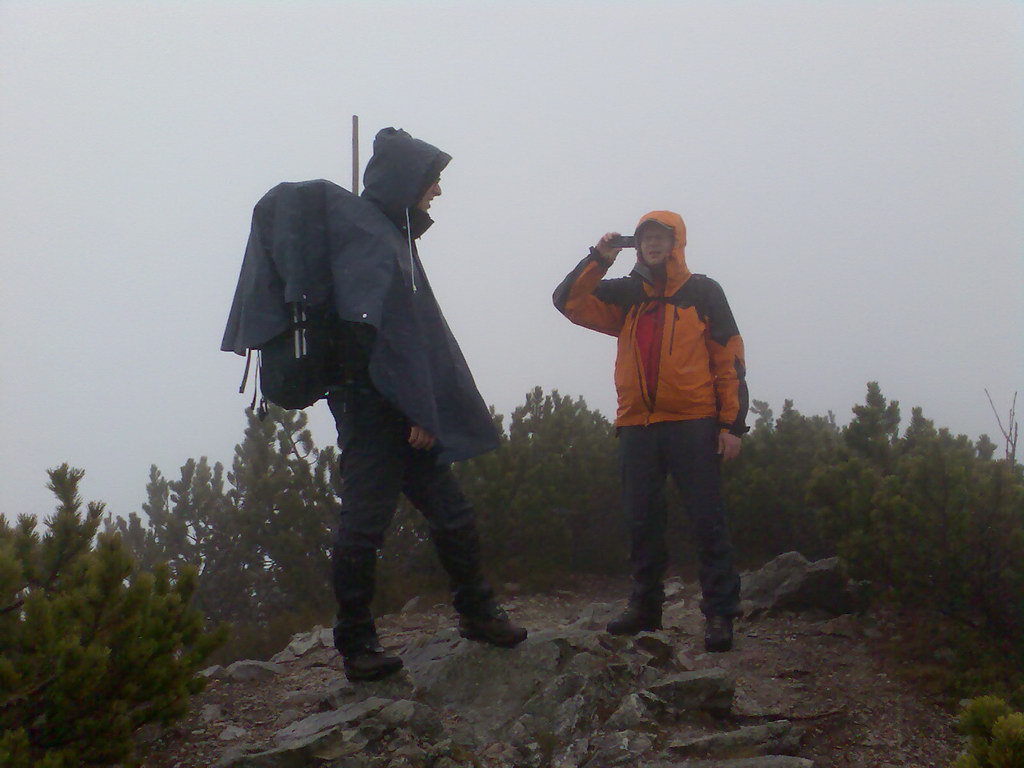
[[688, 451], [377, 464]]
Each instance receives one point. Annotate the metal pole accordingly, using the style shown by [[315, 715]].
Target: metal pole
[[355, 154]]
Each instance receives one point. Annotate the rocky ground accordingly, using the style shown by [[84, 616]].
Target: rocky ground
[[800, 689]]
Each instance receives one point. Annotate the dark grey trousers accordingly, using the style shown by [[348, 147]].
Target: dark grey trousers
[[377, 465], [686, 450]]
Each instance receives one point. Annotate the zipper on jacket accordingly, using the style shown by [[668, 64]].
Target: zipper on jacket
[[641, 379], [672, 338]]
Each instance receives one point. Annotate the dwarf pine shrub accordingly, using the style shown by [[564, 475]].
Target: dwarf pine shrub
[[995, 735], [90, 648]]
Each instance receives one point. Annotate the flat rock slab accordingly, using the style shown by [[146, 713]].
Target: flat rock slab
[[468, 676], [323, 722], [775, 738], [705, 689], [770, 761]]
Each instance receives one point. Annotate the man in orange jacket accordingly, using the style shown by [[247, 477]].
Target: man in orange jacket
[[682, 404]]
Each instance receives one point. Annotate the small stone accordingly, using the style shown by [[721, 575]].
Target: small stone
[[253, 670], [210, 712], [231, 733], [673, 588]]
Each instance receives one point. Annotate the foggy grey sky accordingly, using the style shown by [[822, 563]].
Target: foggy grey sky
[[850, 172]]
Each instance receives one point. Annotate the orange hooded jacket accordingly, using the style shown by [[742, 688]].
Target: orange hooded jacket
[[700, 372]]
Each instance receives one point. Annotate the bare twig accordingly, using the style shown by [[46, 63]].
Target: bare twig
[[1010, 431]]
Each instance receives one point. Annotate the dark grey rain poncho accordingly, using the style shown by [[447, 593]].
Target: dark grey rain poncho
[[314, 242]]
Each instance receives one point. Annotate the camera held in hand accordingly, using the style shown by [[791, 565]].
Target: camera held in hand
[[622, 241]]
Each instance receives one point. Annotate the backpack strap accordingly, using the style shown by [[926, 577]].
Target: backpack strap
[[245, 373]]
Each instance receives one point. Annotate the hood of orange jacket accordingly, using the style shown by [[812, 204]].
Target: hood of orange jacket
[[676, 271]]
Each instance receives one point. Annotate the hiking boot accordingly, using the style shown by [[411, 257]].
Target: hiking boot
[[718, 634], [493, 627], [370, 662], [638, 617]]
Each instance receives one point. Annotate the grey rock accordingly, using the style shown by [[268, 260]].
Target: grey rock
[[673, 589], [674, 614], [232, 733], [344, 692], [649, 675], [622, 748], [253, 670], [410, 752], [710, 690], [553, 694], [216, 672], [304, 642], [631, 712], [684, 659], [301, 698], [229, 757], [302, 753], [210, 712], [572, 756], [283, 657], [322, 723], [326, 736], [481, 682], [286, 717], [596, 616], [770, 761], [775, 738], [573, 715], [586, 663], [791, 583], [418, 718], [658, 645]]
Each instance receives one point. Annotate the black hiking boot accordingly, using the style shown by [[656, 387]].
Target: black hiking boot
[[718, 634], [492, 627], [369, 661], [638, 617]]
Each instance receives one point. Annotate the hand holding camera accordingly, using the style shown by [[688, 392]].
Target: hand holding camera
[[608, 247]]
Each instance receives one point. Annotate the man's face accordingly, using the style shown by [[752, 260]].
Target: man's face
[[655, 245], [433, 191]]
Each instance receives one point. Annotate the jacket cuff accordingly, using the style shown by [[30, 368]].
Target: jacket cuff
[[601, 261]]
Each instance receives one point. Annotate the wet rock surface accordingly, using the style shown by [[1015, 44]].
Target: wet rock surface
[[797, 691]]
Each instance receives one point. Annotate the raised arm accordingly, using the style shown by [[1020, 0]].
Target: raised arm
[[579, 296]]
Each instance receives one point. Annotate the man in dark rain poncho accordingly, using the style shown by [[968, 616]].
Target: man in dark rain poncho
[[404, 400]]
